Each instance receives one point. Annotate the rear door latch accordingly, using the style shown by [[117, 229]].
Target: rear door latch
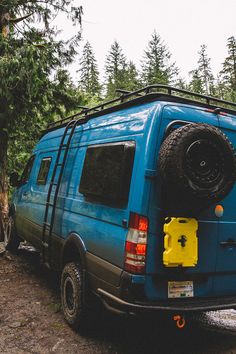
[[229, 243]]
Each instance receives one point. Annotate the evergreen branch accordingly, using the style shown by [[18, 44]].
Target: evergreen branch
[[17, 20]]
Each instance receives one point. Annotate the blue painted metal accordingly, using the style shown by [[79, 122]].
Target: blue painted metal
[[100, 226]]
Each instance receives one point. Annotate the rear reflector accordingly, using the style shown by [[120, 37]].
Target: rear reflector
[[136, 244]]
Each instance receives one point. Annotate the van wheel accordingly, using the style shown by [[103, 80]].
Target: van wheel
[[198, 167], [11, 239], [75, 311]]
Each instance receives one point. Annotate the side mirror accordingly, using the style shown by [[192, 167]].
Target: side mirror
[[14, 179]]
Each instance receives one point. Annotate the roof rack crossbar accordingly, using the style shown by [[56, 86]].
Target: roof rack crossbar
[[122, 91], [157, 88]]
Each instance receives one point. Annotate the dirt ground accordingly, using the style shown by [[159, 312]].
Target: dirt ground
[[31, 320], [30, 317]]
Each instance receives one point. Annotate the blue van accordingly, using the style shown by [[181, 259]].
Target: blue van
[[133, 201]]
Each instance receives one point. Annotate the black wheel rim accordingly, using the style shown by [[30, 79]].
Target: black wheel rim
[[204, 164], [69, 295]]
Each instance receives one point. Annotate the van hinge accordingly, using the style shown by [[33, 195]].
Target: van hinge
[[150, 173]]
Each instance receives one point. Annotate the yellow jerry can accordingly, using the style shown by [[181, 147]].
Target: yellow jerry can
[[180, 242]]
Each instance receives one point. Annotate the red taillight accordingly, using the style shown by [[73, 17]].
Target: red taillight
[[135, 248], [136, 244], [138, 222]]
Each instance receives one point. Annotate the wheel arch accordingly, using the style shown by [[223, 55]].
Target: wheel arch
[[73, 250]]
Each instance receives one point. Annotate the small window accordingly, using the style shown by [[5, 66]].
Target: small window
[[28, 168], [107, 173], [43, 171]]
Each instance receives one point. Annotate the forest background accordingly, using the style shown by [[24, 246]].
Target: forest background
[[36, 87]]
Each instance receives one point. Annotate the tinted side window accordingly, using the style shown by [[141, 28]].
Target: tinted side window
[[43, 171], [107, 173], [26, 173]]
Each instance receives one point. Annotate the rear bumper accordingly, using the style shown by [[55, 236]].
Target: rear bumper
[[121, 306]]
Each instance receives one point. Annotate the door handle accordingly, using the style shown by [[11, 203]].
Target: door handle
[[228, 243]]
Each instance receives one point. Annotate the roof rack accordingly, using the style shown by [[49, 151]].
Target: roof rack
[[159, 90]]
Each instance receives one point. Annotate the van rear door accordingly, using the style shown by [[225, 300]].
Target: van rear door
[[225, 277], [201, 275]]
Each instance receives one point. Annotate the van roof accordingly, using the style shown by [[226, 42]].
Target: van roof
[[144, 95]]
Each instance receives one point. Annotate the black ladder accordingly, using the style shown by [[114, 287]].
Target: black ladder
[[48, 224]]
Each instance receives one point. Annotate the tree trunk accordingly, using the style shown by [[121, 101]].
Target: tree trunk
[[3, 181], [4, 30], [4, 24]]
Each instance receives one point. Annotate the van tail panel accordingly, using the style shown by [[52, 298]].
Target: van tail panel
[[215, 271], [225, 272], [158, 275], [226, 245]]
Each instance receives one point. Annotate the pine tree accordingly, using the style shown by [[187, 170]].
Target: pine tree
[[132, 81], [220, 89], [156, 66], [181, 84], [196, 84], [115, 70], [202, 78], [205, 71], [89, 75], [228, 73], [30, 58]]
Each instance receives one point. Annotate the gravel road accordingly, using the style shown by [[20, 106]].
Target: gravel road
[[31, 321]]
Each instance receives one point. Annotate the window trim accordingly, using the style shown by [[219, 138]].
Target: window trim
[[31, 161], [121, 203], [43, 182]]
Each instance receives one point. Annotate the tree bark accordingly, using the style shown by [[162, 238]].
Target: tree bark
[[4, 24], [4, 30], [3, 181]]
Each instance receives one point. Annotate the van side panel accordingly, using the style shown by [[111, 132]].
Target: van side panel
[[102, 228]]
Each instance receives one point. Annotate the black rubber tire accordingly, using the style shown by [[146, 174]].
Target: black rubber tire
[[11, 239], [75, 311], [198, 168]]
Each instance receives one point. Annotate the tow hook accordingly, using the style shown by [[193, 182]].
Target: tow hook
[[180, 321]]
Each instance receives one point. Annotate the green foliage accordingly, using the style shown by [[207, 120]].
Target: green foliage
[[181, 84], [156, 66], [196, 83], [228, 72], [40, 10], [202, 79], [119, 73], [132, 81], [89, 76], [115, 70], [34, 85], [205, 71]]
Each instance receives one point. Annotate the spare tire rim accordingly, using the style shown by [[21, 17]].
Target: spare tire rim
[[204, 164]]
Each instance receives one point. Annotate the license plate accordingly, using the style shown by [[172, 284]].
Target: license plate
[[180, 289]]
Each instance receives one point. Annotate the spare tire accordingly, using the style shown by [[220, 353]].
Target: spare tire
[[197, 166]]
